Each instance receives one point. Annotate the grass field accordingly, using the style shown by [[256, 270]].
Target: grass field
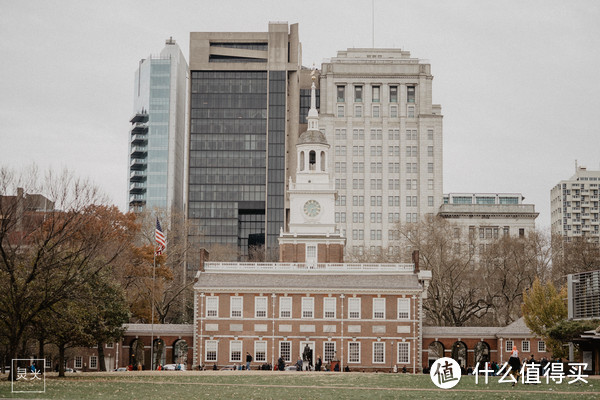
[[243, 385]]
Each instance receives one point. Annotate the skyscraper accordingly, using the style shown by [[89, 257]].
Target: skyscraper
[[574, 205], [386, 135], [244, 108], [157, 143]]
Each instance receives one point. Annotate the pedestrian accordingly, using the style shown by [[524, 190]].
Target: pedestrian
[[248, 361], [280, 364], [318, 364], [515, 363]]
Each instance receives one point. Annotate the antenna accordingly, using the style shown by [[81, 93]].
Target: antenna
[[373, 22]]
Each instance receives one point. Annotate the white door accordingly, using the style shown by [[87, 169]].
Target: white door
[[311, 355]]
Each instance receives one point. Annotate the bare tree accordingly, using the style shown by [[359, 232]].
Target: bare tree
[[580, 254]]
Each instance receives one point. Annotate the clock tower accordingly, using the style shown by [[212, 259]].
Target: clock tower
[[312, 236]]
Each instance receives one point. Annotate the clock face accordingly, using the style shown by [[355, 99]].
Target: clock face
[[312, 208]]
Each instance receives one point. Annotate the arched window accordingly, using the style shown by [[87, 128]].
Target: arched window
[[312, 160], [301, 161], [482, 352], [323, 161], [436, 350], [459, 354], [180, 350], [160, 353], [136, 353]]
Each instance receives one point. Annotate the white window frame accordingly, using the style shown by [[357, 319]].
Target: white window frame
[[354, 312], [403, 351], [289, 345], [93, 362], [378, 307], [211, 345], [260, 308], [376, 111], [329, 352], [110, 345], [212, 310], [285, 305], [340, 111], [233, 300], [393, 111], [508, 345], [541, 346], [260, 346], [308, 307], [358, 111], [525, 343], [237, 346], [329, 307], [78, 363], [48, 363], [404, 308], [380, 352], [356, 346]]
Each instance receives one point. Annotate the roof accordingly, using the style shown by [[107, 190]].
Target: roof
[[312, 136], [516, 329], [302, 282], [460, 332], [159, 329]]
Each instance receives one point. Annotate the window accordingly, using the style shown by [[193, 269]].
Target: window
[[285, 351], [375, 184], [430, 201], [376, 167], [354, 308], [93, 362], [260, 307], [212, 306], [236, 307], [375, 151], [375, 111], [375, 234], [429, 134], [341, 94], [308, 307], [541, 346], [340, 183], [430, 184], [358, 134], [525, 345], [394, 151], [429, 151], [376, 134], [393, 94], [328, 351], [508, 346], [411, 135], [411, 151], [404, 308], [329, 307], [393, 200], [411, 111], [378, 308], [339, 151], [394, 134], [430, 168], [358, 94], [376, 94], [506, 230], [285, 307], [358, 217], [211, 350], [393, 111], [358, 183], [260, 351], [78, 362], [521, 232], [48, 363], [340, 201], [110, 345], [357, 111], [358, 200], [340, 111], [353, 352], [358, 151], [235, 351], [403, 352], [378, 352], [410, 94]]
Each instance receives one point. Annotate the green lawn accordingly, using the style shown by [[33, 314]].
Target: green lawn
[[243, 385]]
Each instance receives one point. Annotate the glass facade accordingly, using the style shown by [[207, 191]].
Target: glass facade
[[228, 155], [305, 103]]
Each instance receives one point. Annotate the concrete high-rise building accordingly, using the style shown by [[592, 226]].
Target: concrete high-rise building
[[386, 136], [157, 142], [575, 205], [244, 109]]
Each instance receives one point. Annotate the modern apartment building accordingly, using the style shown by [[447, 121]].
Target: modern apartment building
[[575, 205], [386, 135], [244, 109], [489, 216], [157, 136]]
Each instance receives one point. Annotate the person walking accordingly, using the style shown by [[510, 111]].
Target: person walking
[[515, 364], [248, 361]]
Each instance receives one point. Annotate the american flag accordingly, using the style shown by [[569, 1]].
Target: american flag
[[161, 241]]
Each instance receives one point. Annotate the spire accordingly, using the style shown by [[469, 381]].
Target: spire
[[313, 115]]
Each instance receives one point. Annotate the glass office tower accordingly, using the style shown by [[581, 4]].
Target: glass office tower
[[242, 86], [157, 141]]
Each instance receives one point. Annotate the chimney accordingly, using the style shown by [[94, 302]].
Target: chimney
[[415, 260], [203, 258]]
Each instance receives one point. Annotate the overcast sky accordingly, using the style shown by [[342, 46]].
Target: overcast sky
[[518, 81]]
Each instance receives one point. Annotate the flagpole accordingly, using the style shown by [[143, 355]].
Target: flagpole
[[152, 311]]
